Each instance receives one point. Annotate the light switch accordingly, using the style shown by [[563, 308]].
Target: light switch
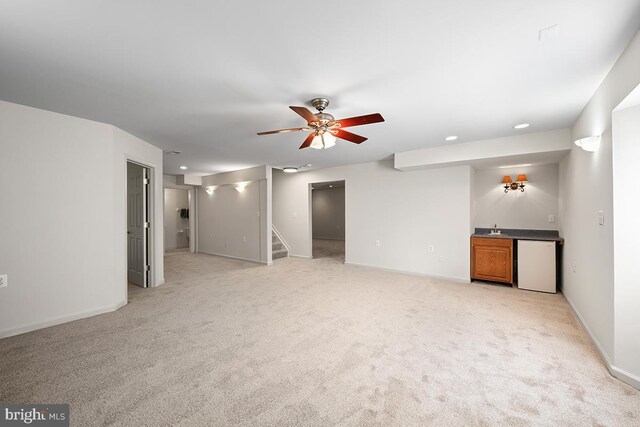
[[552, 218], [601, 217], [294, 215]]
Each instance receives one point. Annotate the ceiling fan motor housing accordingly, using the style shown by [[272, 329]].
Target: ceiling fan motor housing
[[320, 103]]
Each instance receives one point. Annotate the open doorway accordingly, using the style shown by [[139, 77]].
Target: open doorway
[[328, 220], [176, 220], [138, 224]]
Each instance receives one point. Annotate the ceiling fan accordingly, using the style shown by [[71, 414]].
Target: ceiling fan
[[325, 128]]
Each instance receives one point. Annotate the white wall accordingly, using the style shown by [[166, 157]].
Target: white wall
[[515, 209], [229, 222], [626, 203], [511, 149], [176, 228], [227, 218], [328, 213], [586, 187], [405, 211], [64, 193]]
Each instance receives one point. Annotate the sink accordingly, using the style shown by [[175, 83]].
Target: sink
[[495, 232]]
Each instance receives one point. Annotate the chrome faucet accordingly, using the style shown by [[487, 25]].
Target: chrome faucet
[[494, 230]]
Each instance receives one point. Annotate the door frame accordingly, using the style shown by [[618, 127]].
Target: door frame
[[193, 208], [150, 241], [310, 210]]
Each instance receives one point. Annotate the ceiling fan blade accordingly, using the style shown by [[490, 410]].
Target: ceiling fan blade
[[352, 137], [305, 113], [282, 131], [307, 142], [360, 120]]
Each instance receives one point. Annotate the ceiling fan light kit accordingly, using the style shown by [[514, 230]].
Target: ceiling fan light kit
[[325, 129]]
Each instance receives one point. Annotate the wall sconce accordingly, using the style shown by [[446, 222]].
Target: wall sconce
[[590, 143], [510, 184], [240, 187], [210, 190]]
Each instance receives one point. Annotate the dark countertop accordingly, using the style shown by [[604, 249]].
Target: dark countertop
[[520, 234]]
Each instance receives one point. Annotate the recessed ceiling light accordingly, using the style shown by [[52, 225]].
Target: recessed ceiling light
[[331, 186], [183, 167], [521, 126], [451, 138], [290, 169]]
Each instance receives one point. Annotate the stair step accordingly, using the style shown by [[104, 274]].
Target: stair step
[[282, 253], [276, 246]]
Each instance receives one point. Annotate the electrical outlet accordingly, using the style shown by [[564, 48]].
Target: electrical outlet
[[601, 217], [430, 248], [244, 238], [574, 266], [440, 259], [3, 281], [377, 242], [552, 218], [294, 214]]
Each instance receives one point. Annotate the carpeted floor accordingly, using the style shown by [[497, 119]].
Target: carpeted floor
[[316, 342]]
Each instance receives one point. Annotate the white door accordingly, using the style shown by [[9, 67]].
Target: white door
[[137, 223]]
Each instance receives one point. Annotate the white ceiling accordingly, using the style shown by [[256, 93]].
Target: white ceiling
[[203, 77]]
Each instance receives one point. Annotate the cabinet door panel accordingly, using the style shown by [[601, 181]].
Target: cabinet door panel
[[493, 262]]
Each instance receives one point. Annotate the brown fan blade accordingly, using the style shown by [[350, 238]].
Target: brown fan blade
[[352, 137], [307, 142], [305, 114], [360, 120], [283, 131]]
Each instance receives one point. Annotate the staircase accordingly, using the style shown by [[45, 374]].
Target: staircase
[[277, 248]]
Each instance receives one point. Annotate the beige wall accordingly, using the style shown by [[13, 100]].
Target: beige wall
[[404, 211], [515, 209], [328, 213], [586, 187], [64, 193]]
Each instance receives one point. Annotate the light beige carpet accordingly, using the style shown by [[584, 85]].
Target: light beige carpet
[[315, 342]]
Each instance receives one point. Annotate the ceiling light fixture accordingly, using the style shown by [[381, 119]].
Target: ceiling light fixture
[[509, 184], [323, 140], [451, 138], [289, 169], [522, 126], [590, 143], [183, 167]]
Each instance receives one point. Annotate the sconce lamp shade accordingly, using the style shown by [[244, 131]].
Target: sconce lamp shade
[[522, 178], [506, 180]]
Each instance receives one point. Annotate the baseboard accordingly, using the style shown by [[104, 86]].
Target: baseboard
[[234, 257], [330, 238], [6, 333], [615, 372], [411, 273]]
